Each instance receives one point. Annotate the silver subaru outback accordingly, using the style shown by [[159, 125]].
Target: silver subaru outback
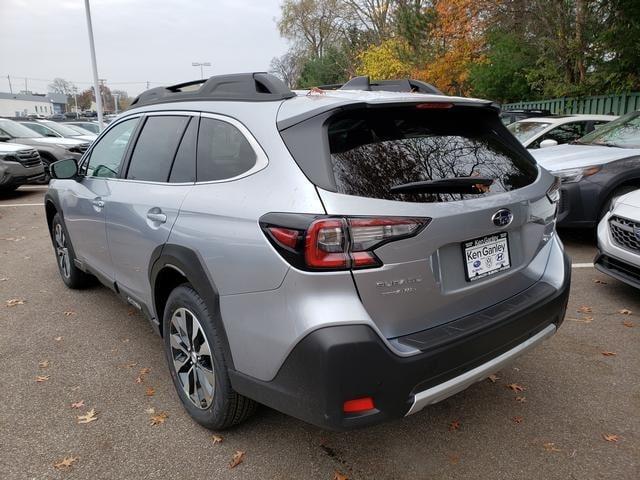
[[344, 256]]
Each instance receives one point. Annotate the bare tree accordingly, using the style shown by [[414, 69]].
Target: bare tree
[[287, 68], [313, 25], [60, 85], [376, 16]]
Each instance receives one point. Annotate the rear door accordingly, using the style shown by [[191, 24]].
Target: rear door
[[482, 243], [145, 201]]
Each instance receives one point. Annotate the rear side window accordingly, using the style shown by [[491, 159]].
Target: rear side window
[[372, 150], [223, 151], [156, 148]]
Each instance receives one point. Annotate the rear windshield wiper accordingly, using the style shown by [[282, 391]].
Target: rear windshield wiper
[[475, 185]]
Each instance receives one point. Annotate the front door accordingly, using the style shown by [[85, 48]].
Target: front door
[[83, 203]]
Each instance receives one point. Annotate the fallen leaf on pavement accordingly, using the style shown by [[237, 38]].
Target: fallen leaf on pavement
[[584, 319], [551, 447], [57, 339], [216, 438], [14, 301], [150, 392], [65, 464], [609, 354], [610, 437], [516, 388], [601, 282], [339, 476], [518, 419], [159, 419], [237, 459], [89, 417], [69, 313], [584, 309], [628, 324], [128, 365], [455, 425], [625, 311], [78, 404], [494, 378], [3, 279], [139, 379], [454, 459], [150, 411], [44, 364], [42, 378], [521, 399], [144, 371]]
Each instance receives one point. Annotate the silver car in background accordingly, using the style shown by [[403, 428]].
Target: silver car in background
[[346, 257]]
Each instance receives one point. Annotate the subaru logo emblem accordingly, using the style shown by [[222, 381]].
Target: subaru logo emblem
[[502, 217]]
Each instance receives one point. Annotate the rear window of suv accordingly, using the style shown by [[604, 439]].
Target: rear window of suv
[[372, 150]]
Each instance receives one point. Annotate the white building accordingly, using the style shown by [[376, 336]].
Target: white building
[[20, 105]]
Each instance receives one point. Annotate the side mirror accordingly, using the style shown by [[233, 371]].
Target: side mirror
[[62, 169], [4, 138], [548, 143]]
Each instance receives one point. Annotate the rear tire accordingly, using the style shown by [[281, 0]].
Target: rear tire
[[71, 275], [193, 347]]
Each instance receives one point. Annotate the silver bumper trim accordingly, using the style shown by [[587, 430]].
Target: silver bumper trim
[[459, 383]]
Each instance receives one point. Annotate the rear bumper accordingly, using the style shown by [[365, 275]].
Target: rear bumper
[[339, 363]]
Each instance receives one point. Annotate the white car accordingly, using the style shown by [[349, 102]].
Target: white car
[[541, 132], [49, 128], [619, 240]]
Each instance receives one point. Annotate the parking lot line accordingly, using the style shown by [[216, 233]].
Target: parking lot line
[[23, 205], [582, 265]]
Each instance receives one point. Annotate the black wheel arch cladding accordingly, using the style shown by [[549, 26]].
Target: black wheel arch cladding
[[189, 265]]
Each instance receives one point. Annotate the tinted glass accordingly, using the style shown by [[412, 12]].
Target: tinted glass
[[623, 132], [523, 131], [223, 151], [41, 129], [156, 147], [107, 154], [374, 150], [61, 129], [15, 130], [184, 165], [567, 133]]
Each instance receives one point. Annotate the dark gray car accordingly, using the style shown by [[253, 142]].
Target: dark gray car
[[346, 257]]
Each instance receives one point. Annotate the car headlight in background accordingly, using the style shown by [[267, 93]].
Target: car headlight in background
[[573, 175]]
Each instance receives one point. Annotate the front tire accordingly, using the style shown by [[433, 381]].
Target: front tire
[[193, 347], [71, 275]]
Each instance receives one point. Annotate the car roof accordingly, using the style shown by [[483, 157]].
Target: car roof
[[560, 119]]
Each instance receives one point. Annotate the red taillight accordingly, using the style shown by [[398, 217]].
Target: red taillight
[[336, 243], [358, 405], [285, 236]]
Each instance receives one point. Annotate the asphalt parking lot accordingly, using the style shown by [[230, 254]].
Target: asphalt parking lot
[[90, 346]]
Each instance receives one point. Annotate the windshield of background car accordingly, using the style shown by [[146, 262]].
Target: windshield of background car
[[524, 131], [62, 129], [373, 150], [623, 132], [15, 130]]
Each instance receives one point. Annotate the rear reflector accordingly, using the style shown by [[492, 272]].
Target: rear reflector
[[358, 405], [285, 236]]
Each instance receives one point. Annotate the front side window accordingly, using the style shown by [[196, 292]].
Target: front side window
[[15, 130], [567, 133], [106, 156], [524, 131], [41, 129], [156, 148], [223, 151]]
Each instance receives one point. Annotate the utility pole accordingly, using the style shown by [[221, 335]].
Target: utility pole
[[10, 88], [147, 84], [94, 65], [75, 99], [102, 82], [26, 86], [115, 102]]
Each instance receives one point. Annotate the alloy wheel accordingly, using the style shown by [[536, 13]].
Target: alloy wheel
[[62, 251], [191, 358]]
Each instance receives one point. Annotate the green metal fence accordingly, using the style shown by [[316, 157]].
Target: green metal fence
[[616, 104]]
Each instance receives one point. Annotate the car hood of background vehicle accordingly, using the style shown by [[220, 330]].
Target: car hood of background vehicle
[[59, 141], [632, 199], [13, 147], [576, 156]]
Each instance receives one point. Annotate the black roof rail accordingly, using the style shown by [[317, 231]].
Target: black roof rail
[[243, 87], [398, 85]]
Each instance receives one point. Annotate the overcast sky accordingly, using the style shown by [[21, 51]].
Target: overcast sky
[[136, 40]]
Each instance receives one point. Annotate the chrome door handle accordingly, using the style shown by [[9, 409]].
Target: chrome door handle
[[157, 217], [98, 203]]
